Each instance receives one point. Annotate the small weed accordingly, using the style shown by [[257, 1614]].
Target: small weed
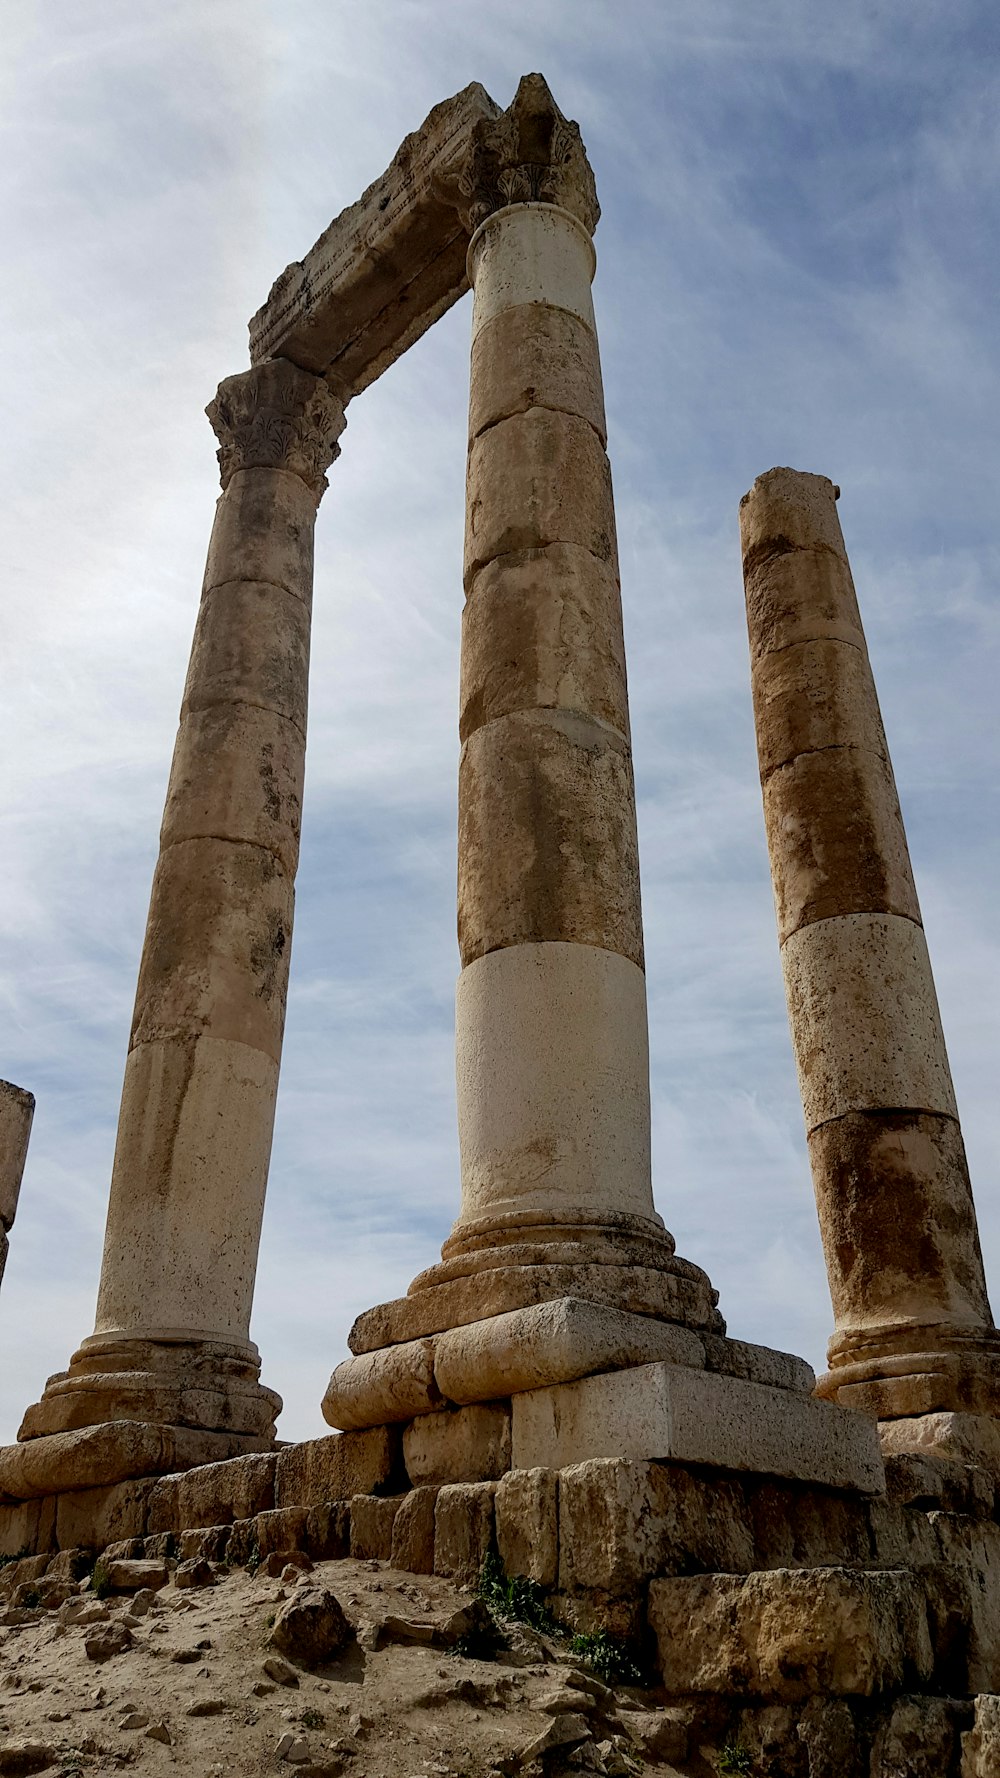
[[253, 1560], [269, 1620], [312, 1719], [609, 1657], [31, 1598], [513, 1599], [734, 1760], [100, 1580]]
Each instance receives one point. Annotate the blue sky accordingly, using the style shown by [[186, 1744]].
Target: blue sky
[[797, 264]]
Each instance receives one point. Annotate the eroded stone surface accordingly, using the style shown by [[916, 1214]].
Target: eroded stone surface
[[784, 1635]]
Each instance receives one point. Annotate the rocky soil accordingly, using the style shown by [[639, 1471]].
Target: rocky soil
[[347, 1667]]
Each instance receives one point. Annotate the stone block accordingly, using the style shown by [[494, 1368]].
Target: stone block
[[923, 1479], [621, 1522], [827, 1731], [542, 629], [461, 1445], [196, 1122], [96, 1456], [264, 533], [28, 1525], [207, 1545], [71, 1564], [491, 1290], [816, 695], [210, 963], [338, 1466], [790, 532], [552, 1061], [215, 1494], [99, 1516], [757, 1364], [798, 1525], [237, 774], [385, 1387], [981, 1744], [25, 1569], [251, 646], [372, 1520], [328, 1531], [413, 1532], [668, 1412], [535, 479], [529, 259], [861, 1003], [789, 1635], [902, 1537], [970, 1553], [836, 839], [535, 355], [463, 1529], [527, 1524], [966, 1438], [526, 781], [895, 1202], [131, 1576], [918, 1738], [345, 306], [283, 1528], [552, 1343], [17, 1108]]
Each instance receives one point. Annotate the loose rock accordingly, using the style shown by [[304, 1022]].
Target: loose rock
[[311, 1628]]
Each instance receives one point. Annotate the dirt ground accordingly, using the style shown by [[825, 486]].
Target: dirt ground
[[192, 1693]]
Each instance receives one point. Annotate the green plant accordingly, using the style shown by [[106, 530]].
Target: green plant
[[734, 1760], [31, 1597], [269, 1620], [312, 1719], [609, 1657], [100, 1580], [513, 1598], [253, 1560]]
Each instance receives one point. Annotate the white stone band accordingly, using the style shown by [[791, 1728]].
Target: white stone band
[[531, 253], [553, 1082], [864, 1017]]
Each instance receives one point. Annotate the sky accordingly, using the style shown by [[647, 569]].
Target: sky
[[797, 263]]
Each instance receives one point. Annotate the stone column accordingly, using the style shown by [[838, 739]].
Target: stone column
[[17, 1108], [171, 1343], [913, 1328], [551, 1027]]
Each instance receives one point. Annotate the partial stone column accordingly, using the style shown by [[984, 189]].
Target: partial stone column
[[171, 1343], [914, 1333], [17, 1108]]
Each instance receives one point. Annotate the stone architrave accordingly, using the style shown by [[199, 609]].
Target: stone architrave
[[558, 1265], [171, 1344], [17, 1108], [913, 1332]]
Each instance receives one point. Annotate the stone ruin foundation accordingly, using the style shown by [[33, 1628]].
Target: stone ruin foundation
[[814, 1562]]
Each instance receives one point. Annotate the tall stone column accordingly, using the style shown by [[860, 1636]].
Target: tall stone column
[[17, 1108], [551, 1025], [171, 1344], [913, 1329]]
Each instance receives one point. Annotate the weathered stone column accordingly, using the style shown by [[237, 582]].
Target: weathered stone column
[[171, 1344], [17, 1108], [914, 1333]]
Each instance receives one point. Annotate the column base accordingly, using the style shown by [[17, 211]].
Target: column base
[[516, 1260], [530, 1348], [911, 1370], [167, 1401]]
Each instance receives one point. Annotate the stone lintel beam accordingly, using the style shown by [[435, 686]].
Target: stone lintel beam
[[386, 268]]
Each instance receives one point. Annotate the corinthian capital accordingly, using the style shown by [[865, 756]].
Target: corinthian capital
[[277, 416], [531, 153]]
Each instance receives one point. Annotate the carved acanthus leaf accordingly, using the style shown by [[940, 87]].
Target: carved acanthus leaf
[[531, 153], [277, 416]]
